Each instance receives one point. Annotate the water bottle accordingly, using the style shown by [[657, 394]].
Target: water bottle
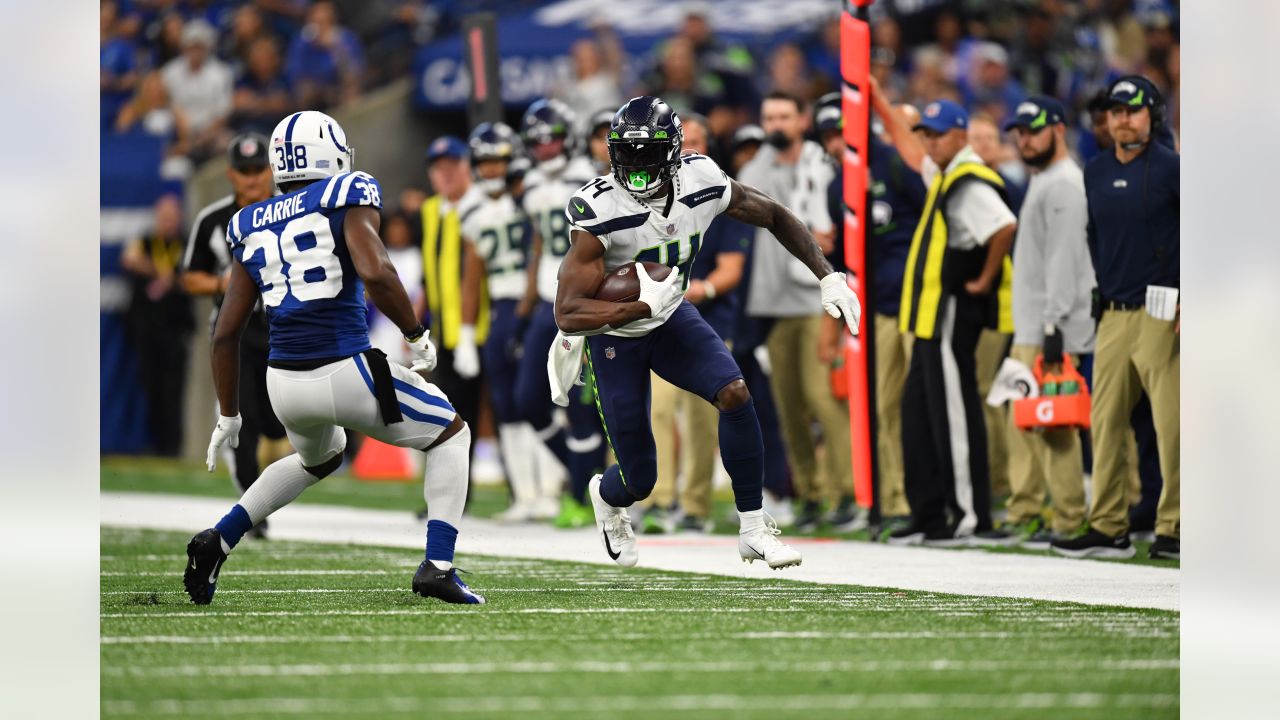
[[1070, 387], [1050, 387]]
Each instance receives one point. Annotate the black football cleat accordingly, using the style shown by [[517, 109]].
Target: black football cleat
[[431, 581], [204, 562]]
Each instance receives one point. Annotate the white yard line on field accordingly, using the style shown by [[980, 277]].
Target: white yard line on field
[[615, 704], [662, 666], [834, 562]]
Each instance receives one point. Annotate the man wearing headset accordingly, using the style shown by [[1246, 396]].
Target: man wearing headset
[[1133, 201]]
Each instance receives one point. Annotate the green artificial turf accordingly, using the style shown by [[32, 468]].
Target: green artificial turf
[[329, 631]]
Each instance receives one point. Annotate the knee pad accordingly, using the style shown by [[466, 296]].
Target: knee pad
[[326, 468]]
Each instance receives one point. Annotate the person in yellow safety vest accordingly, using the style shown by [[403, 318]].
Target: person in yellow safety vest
[[957, 281], [443, 253]]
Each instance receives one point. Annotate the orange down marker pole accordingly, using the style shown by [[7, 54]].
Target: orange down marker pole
[[855, 68]]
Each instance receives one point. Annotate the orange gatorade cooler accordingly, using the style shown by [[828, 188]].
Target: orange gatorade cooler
[[1054, 409]]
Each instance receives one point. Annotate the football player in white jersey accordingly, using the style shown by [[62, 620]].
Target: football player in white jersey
[[311, 254], [495, 231], [545, 130], [654, 206]]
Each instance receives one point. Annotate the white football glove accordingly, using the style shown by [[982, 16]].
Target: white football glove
[[661, 296], [838, 299], [423, 352], [226, 431], [466, 358]]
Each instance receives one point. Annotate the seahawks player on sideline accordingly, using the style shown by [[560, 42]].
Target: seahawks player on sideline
[[494, 230], [597, 140], [655, 206], [548, 186], [311, 254]]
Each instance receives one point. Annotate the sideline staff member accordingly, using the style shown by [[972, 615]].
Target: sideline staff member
[[206, 271], [1133, 195], [957, 281]]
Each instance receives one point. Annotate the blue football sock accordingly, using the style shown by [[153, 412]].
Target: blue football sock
[[441, 537], [234, 525], [742, 452]]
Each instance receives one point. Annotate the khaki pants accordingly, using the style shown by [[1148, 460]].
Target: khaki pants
[[801, 386], [893, 357], [685, 421], [1050, 459], [990, 353], [1135, 352]]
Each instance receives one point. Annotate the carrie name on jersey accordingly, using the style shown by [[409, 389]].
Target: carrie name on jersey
[[632, 230], [295, 249]]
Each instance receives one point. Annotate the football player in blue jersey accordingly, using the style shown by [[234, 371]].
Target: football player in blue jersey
[[311, 254], [556, 174], [655, 206]]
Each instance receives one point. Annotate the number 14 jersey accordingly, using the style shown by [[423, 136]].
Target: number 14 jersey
[[295, 249]]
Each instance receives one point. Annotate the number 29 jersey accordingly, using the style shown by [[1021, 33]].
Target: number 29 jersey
[[295, 249], [632, 230]]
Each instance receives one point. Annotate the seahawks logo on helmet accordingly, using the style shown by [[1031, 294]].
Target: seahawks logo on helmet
[[645, 140]]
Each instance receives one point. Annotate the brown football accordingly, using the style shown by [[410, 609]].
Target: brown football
[[621, 285]]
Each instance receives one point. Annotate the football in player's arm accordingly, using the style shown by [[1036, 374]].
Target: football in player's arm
[[578, 313]]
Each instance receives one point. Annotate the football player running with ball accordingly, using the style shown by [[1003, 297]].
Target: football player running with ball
[[654, 206], [311, 254]]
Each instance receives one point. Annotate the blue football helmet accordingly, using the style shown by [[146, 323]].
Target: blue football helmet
[[645, 141]]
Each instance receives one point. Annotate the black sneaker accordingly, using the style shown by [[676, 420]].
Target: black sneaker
[[994, 538], [914, 534], [204, 562], [693, 523], [889, 525], [808, 518], [1039, 539], [1094, 544], [847, 517], [1166, 548], [259, 531], [431, 581]]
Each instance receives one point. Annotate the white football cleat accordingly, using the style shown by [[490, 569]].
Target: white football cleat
[[763, 544], [546, 508], [520, 511], [615, 527]]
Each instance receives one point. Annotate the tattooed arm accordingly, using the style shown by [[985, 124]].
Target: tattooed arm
[[755, 208]]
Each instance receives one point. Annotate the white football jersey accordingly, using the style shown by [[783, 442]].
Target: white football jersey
[[545, 195], [632, 230], [498, 228]]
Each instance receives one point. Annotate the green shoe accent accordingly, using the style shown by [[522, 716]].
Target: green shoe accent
[[573, 515], [653, 523]]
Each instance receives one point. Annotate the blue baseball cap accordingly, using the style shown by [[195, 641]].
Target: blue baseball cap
[[446, 146], [1036, 112], [1133, 91], [943, 115]]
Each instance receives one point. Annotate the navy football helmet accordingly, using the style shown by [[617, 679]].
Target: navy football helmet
[[645, 140], [492, 141], [546, 121]]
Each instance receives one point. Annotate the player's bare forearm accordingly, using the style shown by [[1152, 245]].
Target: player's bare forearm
[[755, 208], [373, 265], [198, 282], [577, 311], [473, 270], [224, 358], [909, 146], [530, 298]]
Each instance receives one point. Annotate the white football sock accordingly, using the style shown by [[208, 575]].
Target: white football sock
[[279, 484], [517, 455], [446, 477], [750, 521]]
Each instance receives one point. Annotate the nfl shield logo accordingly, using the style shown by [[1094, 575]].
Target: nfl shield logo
[[669, 228], [609, 354], [565, 344]]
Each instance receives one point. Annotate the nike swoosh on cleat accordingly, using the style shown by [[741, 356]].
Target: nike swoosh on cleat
[[609, 548], [193, 564], [213, 576]]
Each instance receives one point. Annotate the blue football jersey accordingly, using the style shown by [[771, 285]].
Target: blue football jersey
[[294, 248]]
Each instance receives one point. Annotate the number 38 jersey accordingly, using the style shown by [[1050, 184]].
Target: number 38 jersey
[[295, 249], [632, 230], [544, 197], [498, 228]]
